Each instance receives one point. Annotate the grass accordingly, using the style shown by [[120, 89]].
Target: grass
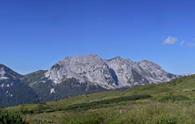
[[168, 103]]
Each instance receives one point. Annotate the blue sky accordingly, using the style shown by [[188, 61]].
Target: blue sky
[[34, 34]]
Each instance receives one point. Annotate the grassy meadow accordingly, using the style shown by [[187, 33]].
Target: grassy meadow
[[168, 103]]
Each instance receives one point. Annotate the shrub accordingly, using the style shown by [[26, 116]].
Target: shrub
[[10, 118]]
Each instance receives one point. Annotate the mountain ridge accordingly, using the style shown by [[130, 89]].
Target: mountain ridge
[[79, 75]]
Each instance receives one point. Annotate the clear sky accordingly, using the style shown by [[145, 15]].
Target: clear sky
[[34, 34]]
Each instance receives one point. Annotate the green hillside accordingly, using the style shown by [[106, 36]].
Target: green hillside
[[168, 103]]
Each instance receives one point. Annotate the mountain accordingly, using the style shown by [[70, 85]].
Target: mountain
[[77, 75], [7, 73], [85, 74], [90, 68], [132, 73], [12, 90], [109, 74]]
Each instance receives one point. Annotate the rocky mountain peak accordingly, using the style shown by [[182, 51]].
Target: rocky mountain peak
[[13, 90], [90, 68], [120, 60], [7, 73]]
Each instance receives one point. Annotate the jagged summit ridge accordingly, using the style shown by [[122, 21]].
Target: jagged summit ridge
[[7, 73], [110, 74]]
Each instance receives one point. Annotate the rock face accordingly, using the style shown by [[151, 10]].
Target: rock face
[[76, 76], [127, 72], [83, 68], [131, 73], [154, 73], [109, 74]]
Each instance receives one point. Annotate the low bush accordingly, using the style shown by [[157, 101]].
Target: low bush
[[11, 118]]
